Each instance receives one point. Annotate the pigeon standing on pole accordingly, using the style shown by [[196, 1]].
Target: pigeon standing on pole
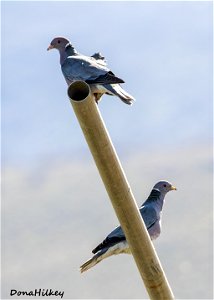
[[115, 242], [91, 69]]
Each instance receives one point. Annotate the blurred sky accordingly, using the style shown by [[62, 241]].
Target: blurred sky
[[163, 51]]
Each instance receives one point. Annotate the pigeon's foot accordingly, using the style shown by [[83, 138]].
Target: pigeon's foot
[[97, 97]]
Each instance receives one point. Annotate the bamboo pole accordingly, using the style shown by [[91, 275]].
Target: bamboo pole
[[119, 191]]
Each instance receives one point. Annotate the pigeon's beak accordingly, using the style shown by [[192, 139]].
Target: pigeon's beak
[[173, 188], [50, 47]]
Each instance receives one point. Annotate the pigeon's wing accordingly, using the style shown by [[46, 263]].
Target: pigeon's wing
[[149, 215], [87, 69], [112, 239], [100, 59], [98, 55]]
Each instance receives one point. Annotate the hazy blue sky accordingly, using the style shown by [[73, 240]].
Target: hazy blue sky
[[163, 51]]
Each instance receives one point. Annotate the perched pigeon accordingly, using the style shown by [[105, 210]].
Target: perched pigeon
[[115, 242], [91, 69]]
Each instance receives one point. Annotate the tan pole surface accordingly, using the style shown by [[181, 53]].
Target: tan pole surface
[[119, 191]]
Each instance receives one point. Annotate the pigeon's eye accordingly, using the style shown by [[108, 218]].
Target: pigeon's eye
[[164, 185], [58, 41]]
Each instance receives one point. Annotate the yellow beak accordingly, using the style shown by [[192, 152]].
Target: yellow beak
[[173, 188], [50, 47]]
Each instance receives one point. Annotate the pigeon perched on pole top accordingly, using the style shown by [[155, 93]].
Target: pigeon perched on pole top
[[150, 210], [91, 69]]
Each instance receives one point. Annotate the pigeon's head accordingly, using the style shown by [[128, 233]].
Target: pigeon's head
[[58, 43], [164, 186]]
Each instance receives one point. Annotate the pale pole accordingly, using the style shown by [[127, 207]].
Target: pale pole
[[119, 191]]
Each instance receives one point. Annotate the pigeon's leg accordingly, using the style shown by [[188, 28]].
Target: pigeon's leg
[[97, 97]]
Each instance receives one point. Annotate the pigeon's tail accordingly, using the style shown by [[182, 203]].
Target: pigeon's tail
[[94, 260], [117, 90], [121, 247]]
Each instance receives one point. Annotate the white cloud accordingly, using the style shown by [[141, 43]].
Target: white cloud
[[55, 215]]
